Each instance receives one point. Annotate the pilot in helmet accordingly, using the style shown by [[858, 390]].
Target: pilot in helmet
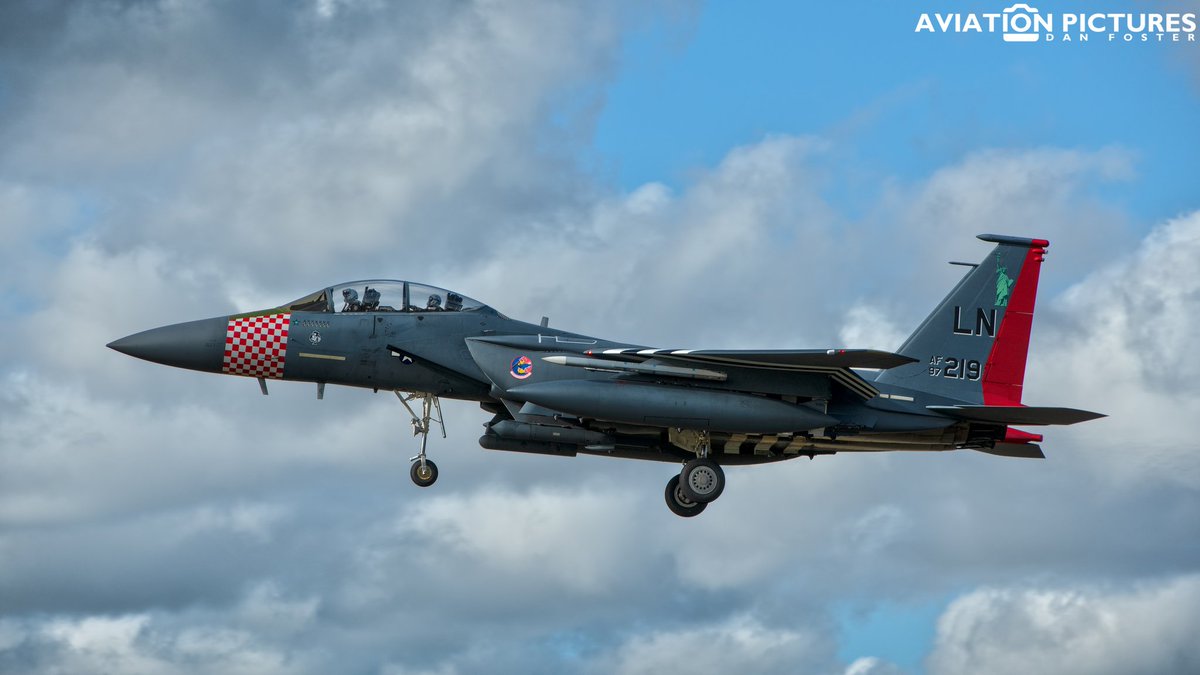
[[370, 299], [351, 297], [434, 304]]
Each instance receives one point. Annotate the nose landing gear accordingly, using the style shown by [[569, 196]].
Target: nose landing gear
[[423, 472]]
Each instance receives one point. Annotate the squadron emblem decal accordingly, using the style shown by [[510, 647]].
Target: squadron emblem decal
[[522, 367]]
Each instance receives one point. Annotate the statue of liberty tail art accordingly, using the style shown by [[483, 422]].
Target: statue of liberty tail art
[[1004, 283]]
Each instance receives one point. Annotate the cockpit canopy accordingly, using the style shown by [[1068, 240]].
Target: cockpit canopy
[[386, 295]]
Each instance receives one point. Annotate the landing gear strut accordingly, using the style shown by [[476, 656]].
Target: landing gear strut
[[423, 472], [701, 481]]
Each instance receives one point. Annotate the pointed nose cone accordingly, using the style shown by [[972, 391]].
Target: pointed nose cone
[[197, 345]]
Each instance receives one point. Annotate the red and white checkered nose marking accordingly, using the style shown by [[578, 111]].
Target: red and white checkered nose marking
[[256, 346]]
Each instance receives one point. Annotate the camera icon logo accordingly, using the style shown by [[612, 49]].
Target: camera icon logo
[[1018, 22]]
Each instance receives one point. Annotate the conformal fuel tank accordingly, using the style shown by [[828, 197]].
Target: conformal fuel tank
[[687, 408]]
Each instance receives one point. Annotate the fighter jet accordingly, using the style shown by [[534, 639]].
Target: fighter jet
[[955, 383]]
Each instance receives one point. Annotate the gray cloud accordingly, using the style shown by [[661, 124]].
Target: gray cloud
[[276, 138]]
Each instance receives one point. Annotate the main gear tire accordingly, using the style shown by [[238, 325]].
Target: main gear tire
[[679, 503], [702, 480]]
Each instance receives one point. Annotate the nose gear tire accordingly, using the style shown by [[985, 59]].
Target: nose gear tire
[[423, 475]]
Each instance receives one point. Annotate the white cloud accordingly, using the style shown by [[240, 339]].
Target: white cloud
[[916, 227], [1117, 342], [740, 644], [94, 297], [870, 665], [878, 528], [735, 258], [510, 534], [868, 327], [268, 612], [135, 644], [1149, 628]]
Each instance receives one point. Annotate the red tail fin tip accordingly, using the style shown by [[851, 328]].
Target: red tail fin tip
[[1004, 373]]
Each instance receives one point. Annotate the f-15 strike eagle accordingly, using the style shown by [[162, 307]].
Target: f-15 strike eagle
[[955, 383]]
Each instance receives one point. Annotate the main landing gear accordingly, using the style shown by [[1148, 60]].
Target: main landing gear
[[423, 472], [701, 481]]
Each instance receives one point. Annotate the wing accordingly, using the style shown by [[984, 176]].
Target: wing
[[715, 365], [782, 359], [833, 363]]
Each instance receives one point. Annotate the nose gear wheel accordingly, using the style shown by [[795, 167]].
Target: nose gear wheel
[[423, 474]]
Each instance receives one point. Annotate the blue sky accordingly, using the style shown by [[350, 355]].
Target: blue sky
[[902, 634], [896, 102], [692, 174]]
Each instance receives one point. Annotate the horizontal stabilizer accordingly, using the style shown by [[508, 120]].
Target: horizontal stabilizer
[[1022, 450], [1016, 414]]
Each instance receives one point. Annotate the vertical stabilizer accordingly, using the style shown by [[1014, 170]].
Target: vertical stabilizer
[[973, 346]]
